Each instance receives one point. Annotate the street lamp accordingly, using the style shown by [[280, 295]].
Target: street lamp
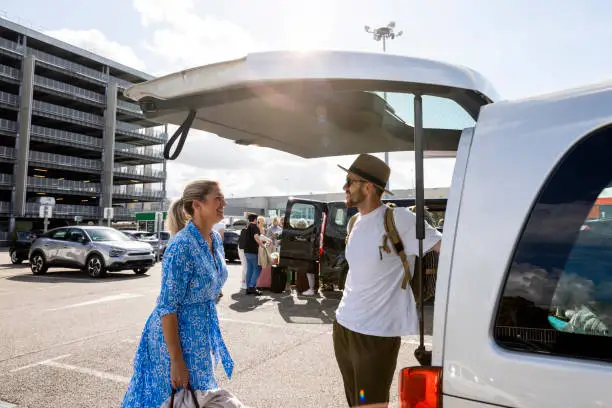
[[384, 34]]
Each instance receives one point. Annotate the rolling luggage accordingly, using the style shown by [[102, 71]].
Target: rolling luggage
[[279, 280]]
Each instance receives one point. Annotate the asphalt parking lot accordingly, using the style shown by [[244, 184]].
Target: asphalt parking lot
[[67, 340]]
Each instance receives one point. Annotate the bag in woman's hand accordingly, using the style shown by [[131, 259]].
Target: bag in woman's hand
[[188, 398]]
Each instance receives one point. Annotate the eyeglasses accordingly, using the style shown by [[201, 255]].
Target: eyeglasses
[[350, 182]]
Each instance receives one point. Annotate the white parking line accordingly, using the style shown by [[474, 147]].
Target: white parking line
[[113, 298], [4, 404], [52, 362], [89, 371], [39, 363]]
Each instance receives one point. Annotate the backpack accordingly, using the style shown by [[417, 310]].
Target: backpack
[[398, 247]]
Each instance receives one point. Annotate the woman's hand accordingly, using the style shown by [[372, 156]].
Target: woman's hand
[[179, 373]]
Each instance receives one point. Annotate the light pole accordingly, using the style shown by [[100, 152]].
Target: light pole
[[384, 34]]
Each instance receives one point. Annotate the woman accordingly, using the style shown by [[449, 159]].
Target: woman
[[182, 334]]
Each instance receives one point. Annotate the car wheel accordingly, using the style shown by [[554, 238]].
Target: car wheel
[[38, 265], [15, 259], [95, 266], [141, 271]]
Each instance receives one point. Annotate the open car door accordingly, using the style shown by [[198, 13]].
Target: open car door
[[319, 104]]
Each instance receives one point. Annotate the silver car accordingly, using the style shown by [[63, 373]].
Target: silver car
[[96, 250]]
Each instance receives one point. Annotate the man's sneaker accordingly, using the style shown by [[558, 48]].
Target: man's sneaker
[[309, 292]]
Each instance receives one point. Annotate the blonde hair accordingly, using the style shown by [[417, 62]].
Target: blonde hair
[[181, 210], [261, 220]]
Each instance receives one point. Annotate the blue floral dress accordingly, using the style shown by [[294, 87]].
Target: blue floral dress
[[192, 278]]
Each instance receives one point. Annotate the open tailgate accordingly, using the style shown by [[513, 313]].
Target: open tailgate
[[313, 104]]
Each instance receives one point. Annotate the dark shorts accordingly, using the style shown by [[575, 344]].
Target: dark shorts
[[367, 364]]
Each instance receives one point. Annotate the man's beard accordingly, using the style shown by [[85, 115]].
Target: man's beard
[[354, 200]]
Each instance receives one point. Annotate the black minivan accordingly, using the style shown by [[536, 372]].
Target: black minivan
[[314, 234]]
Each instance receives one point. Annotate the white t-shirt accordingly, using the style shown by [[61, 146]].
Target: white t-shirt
[[373, 301]]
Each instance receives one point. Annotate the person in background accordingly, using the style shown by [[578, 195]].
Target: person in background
[[251, 253], [243, 262], [181, 341], [274, 231]]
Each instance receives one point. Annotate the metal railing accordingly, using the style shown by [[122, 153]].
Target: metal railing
[[9, 72], [65, 136], [4, 236], [9, 45], [129, 106], [68, 113], [124, 212], [135, 171], [8, 125], [5, 207], [141, 132], [138, 192], [7, 152], [63, 185], [150, 151], [66, 209], [6, 179], [61, 160], [68, 89], [70, 66], [8, 98]]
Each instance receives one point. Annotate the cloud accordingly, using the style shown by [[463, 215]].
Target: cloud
[[95, 41], [182, 38]]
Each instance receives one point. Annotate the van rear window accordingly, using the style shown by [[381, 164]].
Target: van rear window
[[557, 298]]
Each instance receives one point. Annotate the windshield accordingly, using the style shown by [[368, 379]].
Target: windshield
[[104, 234]]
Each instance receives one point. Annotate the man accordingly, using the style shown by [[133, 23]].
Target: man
[[374, 311], [251, 253]]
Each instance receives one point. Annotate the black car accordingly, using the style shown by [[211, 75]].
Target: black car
[[314, 235], [20, 245], [230, 244]]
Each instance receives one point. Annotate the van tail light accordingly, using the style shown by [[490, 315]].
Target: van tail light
[[420, 387], [322, 237]]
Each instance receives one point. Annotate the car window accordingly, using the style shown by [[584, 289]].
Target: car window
[[302, 216], [103, 234], [59, 234], [557, 298], [340, 217]]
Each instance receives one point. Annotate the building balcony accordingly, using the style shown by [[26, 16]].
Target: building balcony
[[5, 207], [8, 100], [64, 65], [6, 180], [10, 46], [10, 73], [141, 194], [63, 186], [64, 210], [71, 163], [69, 90], [122, 213], [52, 111], [121, 83], [150, 154], [69, 139], [125, 106], [7, 154], [145, 175], [139, 132], [8, 127]]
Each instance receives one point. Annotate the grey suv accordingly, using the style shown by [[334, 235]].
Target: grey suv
[[96, 250]]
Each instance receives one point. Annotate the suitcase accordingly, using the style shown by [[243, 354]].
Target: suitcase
[[279, 280], [265, 278]]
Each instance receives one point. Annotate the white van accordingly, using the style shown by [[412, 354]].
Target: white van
[[523, 306]]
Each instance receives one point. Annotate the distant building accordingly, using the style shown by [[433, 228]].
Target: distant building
[[276, 205], [67, 131]]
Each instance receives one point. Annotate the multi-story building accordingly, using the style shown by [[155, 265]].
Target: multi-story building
[[68, 132]]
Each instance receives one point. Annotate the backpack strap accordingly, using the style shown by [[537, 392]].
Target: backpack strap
[[351, 224], [398, 245]]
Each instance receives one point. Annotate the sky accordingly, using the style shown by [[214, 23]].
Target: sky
[[523, 48]]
